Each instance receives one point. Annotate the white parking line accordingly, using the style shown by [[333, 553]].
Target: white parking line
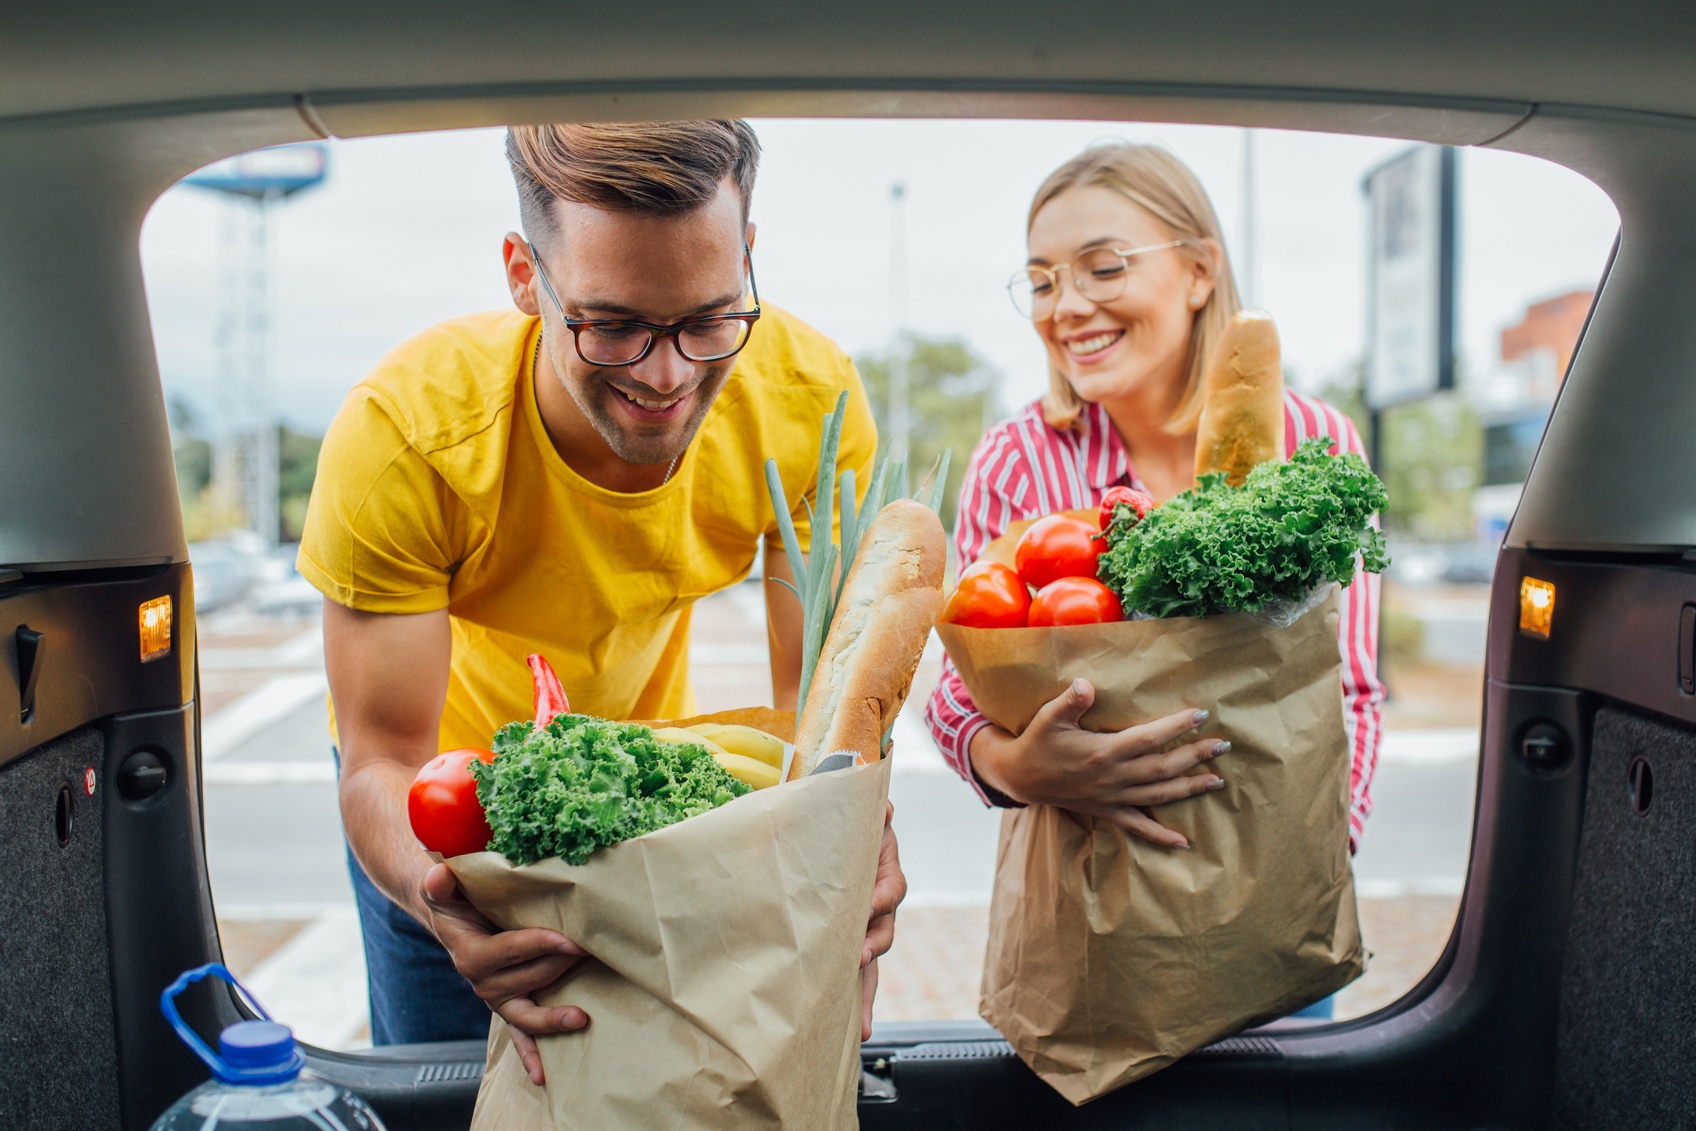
[[315, 984], [270, 773], [303, 650], [1396, 889], [1434, 747], [269, 703]]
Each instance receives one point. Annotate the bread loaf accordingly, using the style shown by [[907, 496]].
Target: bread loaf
[[1242, 411], [891, 600]]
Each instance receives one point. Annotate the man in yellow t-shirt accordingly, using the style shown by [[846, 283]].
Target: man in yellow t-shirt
[[564, 478]]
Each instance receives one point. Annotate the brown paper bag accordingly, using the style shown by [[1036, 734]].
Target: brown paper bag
[[724, 990], [1110, 958]]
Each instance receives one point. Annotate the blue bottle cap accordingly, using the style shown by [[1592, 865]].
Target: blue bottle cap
[[258, 1052]]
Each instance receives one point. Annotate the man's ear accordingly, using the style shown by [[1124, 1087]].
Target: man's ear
[[750, 236], [521, 281]]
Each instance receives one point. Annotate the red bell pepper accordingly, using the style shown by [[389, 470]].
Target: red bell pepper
[[550, 695], [1117, 497]]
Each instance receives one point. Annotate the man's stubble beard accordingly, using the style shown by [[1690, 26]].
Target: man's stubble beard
[[591, 392]]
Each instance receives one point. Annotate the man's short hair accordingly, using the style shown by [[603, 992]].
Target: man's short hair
[[652, 168]]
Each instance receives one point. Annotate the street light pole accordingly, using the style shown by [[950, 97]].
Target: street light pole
[[900, 414], [1246, 265]]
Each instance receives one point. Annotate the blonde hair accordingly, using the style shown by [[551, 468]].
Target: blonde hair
[[1164, 187]]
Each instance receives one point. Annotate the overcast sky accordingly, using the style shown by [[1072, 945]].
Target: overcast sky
[[407, 231]]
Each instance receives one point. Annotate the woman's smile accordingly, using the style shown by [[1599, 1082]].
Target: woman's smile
[[1091, 346]]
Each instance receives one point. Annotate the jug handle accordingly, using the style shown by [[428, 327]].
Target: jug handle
[[168, 1006]]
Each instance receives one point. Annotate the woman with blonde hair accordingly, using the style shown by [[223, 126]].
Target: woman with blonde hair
[[1129, 287]]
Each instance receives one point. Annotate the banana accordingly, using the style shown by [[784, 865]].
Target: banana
[[754, 773], [751, 771], [746, 741]]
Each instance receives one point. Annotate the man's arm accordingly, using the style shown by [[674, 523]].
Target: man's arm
[[388, 680]]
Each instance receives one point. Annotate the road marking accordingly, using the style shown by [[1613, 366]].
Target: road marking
[[303, 650], [948, 899], [242, 912], [913, 749], [270, 773], [1398, 889], [1435, 747], [269, 703], [315, 983]]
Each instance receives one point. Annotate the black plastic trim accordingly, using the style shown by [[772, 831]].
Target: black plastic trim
[[91, 666]]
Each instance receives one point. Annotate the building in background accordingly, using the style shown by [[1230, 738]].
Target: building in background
[[1516, 400]]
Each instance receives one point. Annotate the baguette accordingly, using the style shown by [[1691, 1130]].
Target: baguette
[[891, 600], [1242, 411]]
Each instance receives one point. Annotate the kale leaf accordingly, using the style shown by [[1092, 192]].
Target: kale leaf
[[1291, 526], [581, 783]]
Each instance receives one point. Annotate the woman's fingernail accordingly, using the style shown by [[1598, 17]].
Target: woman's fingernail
[[1184, 845], [1198, 718], [1220, 748], [1078, 686], [1215, 784], [566, 946]]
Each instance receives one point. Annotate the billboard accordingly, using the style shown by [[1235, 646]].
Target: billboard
[[1410, 276], [277, 171]]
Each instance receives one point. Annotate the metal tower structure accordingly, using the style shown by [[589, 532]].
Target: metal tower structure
[[244, 471]]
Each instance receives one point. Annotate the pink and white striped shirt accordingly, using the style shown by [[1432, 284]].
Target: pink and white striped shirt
[[1025, 469]]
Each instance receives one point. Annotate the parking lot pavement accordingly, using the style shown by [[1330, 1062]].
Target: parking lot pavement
[[279, 875]]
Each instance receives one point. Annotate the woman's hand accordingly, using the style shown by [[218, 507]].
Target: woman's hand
[[1114, 776]]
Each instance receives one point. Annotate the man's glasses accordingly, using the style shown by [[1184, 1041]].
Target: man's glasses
[[711, 337], [1099, 275]]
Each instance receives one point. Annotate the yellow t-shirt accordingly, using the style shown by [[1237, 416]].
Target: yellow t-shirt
[[438, 487]]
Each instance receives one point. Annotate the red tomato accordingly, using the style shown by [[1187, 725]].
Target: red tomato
[[1117, 497], [443, 807], [990, 595], [1074, 600], [1055, 547]]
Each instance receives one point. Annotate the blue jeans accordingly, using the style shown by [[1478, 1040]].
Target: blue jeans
[[1324, 1009], [416, 994]]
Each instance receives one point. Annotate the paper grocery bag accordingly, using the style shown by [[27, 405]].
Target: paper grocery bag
[[1110, 958], [724, 991]]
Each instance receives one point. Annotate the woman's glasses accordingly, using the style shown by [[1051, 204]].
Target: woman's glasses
[[711, 337], [1099, 275]]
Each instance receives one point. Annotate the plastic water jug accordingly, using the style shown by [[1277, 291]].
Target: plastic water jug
[[259, 1081]]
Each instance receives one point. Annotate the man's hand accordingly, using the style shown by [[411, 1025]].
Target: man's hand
[[888, 891], [1115, 776], [504, 967]]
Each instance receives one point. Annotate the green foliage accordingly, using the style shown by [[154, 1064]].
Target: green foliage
[[950, 398], [1433, 456], [193, 458], [1216, 548], [580, 784], [297, 467]]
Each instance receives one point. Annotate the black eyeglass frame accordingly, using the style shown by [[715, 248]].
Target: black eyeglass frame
[[655, 330]]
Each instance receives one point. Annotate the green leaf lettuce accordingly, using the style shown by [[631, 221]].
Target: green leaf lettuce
[[1291, 526], [582, 783]]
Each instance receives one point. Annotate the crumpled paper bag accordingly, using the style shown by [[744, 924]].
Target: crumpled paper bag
[[1110, 958], [724, 988]]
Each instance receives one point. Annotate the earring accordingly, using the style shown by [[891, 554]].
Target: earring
[[1195, 301]]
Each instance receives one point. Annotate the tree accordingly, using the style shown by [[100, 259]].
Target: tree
[[951, 401], [297, 459], [1433, 457]]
